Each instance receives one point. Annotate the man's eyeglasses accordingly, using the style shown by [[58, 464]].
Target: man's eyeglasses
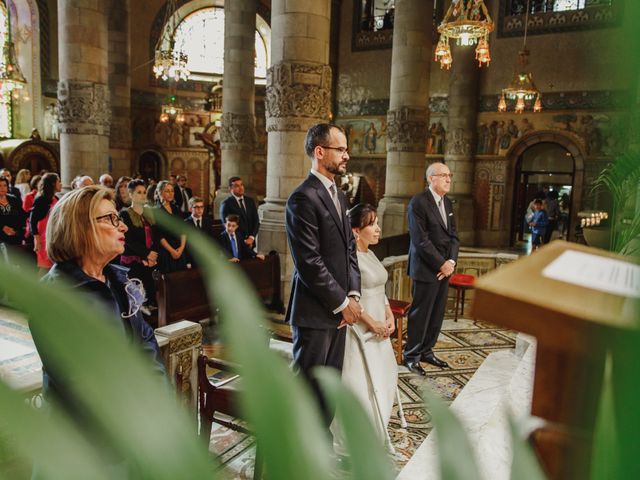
[[113, 218], [443, 175], [341, 150]]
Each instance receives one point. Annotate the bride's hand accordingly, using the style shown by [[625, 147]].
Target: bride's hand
[[379, 328]]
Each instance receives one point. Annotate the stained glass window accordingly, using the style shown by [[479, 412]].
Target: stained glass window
[[201, 36], [5, 97]]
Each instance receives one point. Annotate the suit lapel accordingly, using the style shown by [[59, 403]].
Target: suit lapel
[[436, 211], [325, 198]]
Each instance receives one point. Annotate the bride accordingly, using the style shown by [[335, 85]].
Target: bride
[[375, 381]]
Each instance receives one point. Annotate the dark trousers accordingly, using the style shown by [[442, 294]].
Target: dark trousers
[[318, 347], [425, 318]]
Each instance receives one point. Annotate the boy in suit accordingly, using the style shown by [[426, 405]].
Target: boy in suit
[[232, 241]]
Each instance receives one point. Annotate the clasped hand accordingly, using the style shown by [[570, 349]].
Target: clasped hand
[[351, 314], [446, 270]]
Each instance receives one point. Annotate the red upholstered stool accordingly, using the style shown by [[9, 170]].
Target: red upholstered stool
[[400, 310], [461, 283]]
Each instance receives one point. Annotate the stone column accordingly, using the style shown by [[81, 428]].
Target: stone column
[[237, 135], [83, 94], [461, 133], [407, 116], [120, 89], [298, 96]]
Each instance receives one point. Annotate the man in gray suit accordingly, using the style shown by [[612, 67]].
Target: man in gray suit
[[433, 253], [325, 288]]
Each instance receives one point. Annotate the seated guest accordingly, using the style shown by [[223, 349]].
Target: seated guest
[[171, 255], [12, 217], [27, 200], [140, 251], [84, 234], [22, 181], [45, 200], [106, 180], [123, 198], [232, 241], [6, 173]]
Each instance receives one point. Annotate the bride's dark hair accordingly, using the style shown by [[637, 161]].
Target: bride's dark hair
[[362, 215]]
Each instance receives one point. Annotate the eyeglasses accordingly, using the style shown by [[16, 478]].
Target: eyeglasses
[[114, 219], [443, 175], [341, 150], [198, 206]]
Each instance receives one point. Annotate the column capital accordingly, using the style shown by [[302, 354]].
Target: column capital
[[298, 95], [407, 129], [83, 107], [238, 131]]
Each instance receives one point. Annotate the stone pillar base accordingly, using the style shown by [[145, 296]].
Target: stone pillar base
[[464, 215], [392, 215], [272, 236], [220, 197], [180, 343]]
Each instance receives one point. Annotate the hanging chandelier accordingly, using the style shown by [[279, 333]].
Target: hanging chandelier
[[521, 88], [170, 63], [171, 110], [469, 22]]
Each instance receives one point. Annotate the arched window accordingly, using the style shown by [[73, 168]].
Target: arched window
[[201, 36], [5, 97]]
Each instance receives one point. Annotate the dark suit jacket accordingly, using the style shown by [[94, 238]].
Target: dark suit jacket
[[206, 224], [177, 198], [432, 243], [249, 220], [244, 252], [324, 256]]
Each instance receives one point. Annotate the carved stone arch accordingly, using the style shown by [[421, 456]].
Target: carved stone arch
[[34, 155], [573, 144]]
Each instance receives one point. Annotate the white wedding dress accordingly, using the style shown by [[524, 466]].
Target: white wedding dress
[[380, 386]]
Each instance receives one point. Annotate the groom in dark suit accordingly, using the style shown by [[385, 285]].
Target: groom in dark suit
[[433, 253], [325, 288]]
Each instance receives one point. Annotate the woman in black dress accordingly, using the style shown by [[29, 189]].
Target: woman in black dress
[[140, 249], [171, 255]]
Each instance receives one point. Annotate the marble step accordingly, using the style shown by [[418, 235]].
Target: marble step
[[480, 407]]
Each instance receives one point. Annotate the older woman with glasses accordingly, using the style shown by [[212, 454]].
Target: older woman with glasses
[[84, 234]]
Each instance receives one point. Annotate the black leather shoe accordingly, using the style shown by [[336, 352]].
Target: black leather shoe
[[415, 367], [433, 360]]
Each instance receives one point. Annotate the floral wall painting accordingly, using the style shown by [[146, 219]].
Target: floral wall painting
[[366, 136]]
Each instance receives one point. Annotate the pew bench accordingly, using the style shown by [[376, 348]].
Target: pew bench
[[182, 295]]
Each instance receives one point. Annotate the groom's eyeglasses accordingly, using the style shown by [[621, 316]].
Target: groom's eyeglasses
[[341, 150]]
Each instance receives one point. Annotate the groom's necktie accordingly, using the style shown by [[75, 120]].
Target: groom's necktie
[[334, 198]]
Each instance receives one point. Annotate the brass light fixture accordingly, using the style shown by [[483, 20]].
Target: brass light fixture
[[170, 63], [469, 22], [521, 87], [171, 110]]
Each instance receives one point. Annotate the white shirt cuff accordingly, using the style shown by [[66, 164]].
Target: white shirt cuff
[[452, 261], [342, 306]]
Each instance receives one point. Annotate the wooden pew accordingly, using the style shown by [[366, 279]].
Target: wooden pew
[[182, 295]]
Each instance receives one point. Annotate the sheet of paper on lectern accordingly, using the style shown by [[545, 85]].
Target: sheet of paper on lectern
[[599, 273]]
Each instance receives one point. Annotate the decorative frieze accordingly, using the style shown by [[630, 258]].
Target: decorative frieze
[[238, 131], [297, 90], [459, 142], [592, 17], [83, 108], [406, 129]]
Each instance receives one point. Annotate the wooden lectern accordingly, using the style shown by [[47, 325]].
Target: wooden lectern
[[573, 326]]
